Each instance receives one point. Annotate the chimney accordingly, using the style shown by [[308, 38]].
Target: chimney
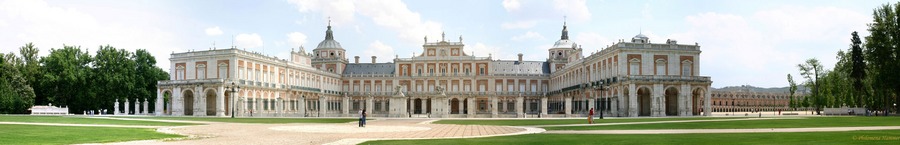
[[373, 59], [520, 57], [356, 58]]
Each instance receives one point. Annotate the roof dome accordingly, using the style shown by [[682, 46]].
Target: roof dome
[[565, 43], [641, 36], [329, 41]]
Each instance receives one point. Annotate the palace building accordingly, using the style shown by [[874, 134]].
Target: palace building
[[627, 79]]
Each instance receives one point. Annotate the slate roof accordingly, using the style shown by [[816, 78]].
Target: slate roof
[[516, 67], [369, 68]]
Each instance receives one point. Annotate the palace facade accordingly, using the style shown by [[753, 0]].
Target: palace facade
[[629, 79]]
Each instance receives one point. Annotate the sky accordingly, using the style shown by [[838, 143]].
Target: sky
[[742, 42]]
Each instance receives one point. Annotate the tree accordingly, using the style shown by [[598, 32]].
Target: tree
[[68, 70], [882, 52], [811, 70], [858, 68], [114, 77], [15, 94], [146, 75], [792, 89], [31, 70]]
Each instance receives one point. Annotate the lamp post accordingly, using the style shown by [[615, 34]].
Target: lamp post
[[234, 88], [601, 88]]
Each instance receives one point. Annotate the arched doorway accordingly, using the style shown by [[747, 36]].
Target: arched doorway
[[188, 102], [417, 106], [210, 102], [696, 101], [167, 103], [644, 101], [454, 106], [671, 102]]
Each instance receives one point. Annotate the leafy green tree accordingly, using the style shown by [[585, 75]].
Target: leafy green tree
[[114, 73], [31, 70], [146, 76], [811, 70], [882, 52], [792, 89], [15, 94], [68, 70]]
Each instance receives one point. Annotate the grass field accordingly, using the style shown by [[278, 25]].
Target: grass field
[[256, 120], [768, 123], [531, 122], [850, 137], [40, 134], [82, 120]]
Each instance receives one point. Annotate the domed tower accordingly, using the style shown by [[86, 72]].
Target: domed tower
[[329, 55], [563, 51], [640, 38]]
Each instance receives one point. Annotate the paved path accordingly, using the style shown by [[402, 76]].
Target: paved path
[[341, 133], [655, 122], [758, 130], [83, 125]]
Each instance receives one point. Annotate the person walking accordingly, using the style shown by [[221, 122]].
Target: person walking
[[360, 122], [364, 118], [591, 116]]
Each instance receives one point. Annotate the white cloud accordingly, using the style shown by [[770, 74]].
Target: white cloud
[[296, 39], [518, 24], [384, 52], [244, 40], [52, 25], [511, 5], [575, 9], [340, 11], [591, 41], [528, 36], [391, 14], [213, 31], [483, 50]]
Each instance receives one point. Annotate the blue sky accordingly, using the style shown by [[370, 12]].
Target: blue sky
[[743, 42]]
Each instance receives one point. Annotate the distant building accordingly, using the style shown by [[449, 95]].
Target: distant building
[[640, 79], [753, 99]]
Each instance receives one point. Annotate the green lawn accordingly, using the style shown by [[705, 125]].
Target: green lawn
[[849, 137], [82, 120], [256, 120], [40, 134], [531, 122], [768, 123]]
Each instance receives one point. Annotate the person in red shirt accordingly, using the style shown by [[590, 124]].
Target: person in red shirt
[[591, 116]]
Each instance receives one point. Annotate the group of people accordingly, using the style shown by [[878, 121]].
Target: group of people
[[362, 118]]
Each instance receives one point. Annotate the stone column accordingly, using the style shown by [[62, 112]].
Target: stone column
[[158, 109], [658, 103], [472, 107], [493, 106], [146, 104], [345, 106], [519, 110], [424, 106], [220, 101], [116, 108], [527, 106], [370, 104], [322, 105], [177, 102], [460, 106], [590, 102], [632, 101], [127, 107], [568, 106], [301, 105], [279, 106], [504, 105], [543, 106], [706, 100]]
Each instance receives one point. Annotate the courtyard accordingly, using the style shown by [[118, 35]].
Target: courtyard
[[645, 130]]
